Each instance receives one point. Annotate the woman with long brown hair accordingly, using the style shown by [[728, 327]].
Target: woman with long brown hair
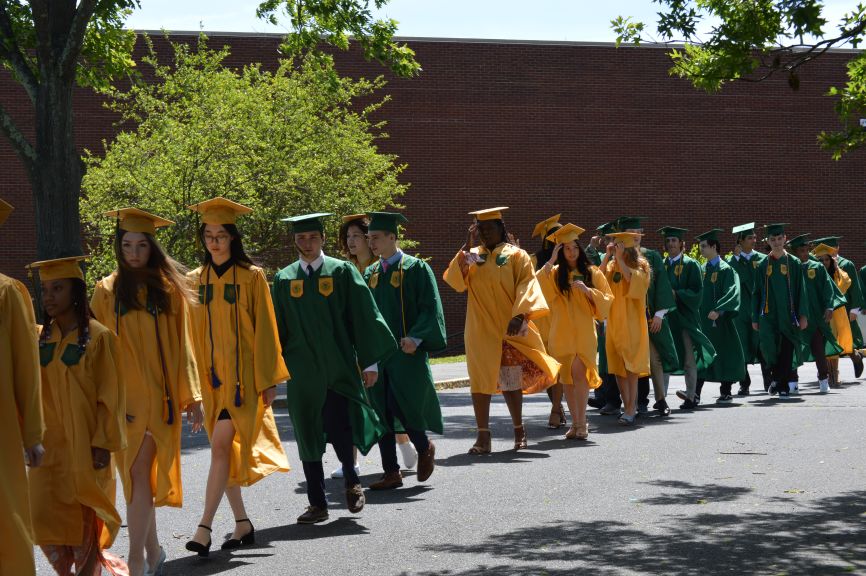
[[146, 303], [627, 340]]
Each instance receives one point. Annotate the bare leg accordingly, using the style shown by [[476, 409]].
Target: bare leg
[[239, 511], [556, 416], [481, 407], [401, 439], [220, 460], [140, 513], [514, 401]]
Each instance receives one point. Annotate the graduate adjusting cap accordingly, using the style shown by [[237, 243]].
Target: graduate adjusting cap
[[135, 220], [743, 230], [627, 238], [774, 229], [673, 232], [307, 222], [489, 213], [386, 221], [822, 249], [709, 235], [542, 228], [629, 223], [828, 240], [606, 228], [352, 217], [797, 241], [567, 233], [5, 210], [219, 210], [59, 268]]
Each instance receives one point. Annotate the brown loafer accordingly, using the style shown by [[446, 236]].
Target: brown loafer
[[355, 498], [313, 515], [426, 463], [389, 481]]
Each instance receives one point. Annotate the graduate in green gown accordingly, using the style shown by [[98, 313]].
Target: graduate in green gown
[[745, 261], [332, 336], [824, 296], [405, 291], [720, 306], [780, 311], [694, 349], [660, 302]]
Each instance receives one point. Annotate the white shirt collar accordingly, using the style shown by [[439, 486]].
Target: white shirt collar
[[677, 259], [747, 255], [316, 264]]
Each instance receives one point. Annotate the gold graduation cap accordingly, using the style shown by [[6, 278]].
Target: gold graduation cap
[[220, 210], [135, 220], [628, 239], [567, 233], [59, 268], [823, 249], [5, 210], [489, 213], [353, 217], [544, 226]]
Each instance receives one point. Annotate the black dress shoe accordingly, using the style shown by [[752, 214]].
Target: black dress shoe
[[247, 539], [197, 547], [744, 391], [688, 405], [313, 515], [662, 407], [593, 403], [858, 363], [610, 410]]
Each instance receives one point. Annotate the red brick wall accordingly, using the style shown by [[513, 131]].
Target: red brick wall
[[586, 130]]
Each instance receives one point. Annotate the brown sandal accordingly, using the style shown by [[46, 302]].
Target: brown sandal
[[519, 437], [478, 448], [557, 419], [577, 432]]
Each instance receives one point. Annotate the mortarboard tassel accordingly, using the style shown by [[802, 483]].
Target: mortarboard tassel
[[168, 411], [214, 379], [238, 400]]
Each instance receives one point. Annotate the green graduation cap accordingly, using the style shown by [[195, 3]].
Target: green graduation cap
[[606, 229], [307, 222], [832, 241], [709, 235], [797, 241], [774, 229], [386, 221], [629, 223], [743, 230], [672, 232]]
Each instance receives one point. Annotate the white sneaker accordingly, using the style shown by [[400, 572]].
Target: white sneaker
[[409, 454], [794, 388], [824, 386], [338, 472]]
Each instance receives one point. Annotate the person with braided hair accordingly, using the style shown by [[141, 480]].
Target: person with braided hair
[[146, 303], [84, 402], [240, 364]]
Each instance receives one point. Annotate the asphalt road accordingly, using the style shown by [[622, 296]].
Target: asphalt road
[[758, 487]]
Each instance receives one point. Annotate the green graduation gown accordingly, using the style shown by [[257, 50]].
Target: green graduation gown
[[329, 326], [822, 294], [722, 293], [408, 298], [660, 297], [747, 274], [854, 297], [781, 299], [686, 281]]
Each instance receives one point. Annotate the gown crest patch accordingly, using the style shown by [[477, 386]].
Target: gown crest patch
[[326, 286], [296, 288]]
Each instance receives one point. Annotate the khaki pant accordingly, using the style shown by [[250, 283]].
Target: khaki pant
[[659, 378]]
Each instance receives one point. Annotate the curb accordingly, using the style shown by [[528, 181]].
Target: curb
[[281, 402]]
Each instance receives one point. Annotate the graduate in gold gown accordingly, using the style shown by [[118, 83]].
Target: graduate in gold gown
[[504, 351], [839, 322], [146, 303], [578, 295], [627, 338], [84, 402], [240, 364], [21, 417]]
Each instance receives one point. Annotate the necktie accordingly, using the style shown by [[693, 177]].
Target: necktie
[[309, 269], [384, 266]]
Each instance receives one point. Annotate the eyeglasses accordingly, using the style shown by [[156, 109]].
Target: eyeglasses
[[218, 239]]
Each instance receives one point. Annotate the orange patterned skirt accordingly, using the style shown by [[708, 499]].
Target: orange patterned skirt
[[517, 372]]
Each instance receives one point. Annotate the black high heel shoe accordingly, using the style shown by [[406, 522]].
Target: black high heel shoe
[[247, 539], [200, 549]]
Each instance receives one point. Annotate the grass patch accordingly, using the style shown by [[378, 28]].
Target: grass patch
[[448, 359]]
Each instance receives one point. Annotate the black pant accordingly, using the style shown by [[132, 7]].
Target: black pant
[[782, 372], [765, 373], [724, 387], [388, 442], [335, 419], [816, 345], [608, 392], [643, 388]]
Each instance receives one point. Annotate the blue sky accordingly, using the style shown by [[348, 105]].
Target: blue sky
[[573, 20]]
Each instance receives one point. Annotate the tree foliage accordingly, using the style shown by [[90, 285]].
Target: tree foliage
[[294, 141], [752, 40]]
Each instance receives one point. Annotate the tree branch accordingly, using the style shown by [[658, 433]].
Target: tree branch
[[9, 50], [19, 142], [75, 38]]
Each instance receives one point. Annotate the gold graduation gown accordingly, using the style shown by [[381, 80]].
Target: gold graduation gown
[[572, 322], [156, 393], [501, 286], [21, 424], [84, 402], [627, 336], [256, 449], [840, 323], [542, 323]]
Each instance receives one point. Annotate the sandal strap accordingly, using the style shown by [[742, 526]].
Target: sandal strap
[[483, 429], [518, 427], [242, 520], [205, 527]]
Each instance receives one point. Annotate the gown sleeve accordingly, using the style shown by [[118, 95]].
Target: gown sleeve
[[25, 364], [270, 368], [528, 298], [429, 325], [110, 432]]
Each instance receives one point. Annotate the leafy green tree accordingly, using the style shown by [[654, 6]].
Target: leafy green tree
[[294, 141], [752, 40]]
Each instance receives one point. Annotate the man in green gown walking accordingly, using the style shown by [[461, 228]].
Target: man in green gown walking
[[405, 291], [333, 337]]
